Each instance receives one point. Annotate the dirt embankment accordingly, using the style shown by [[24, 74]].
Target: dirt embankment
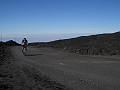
[[14, 76], [101, 44]]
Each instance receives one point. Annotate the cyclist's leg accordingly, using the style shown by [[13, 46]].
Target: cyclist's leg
[[25, 50], [22, 48]]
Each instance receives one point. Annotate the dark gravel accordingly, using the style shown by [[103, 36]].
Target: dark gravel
[[14, 76]]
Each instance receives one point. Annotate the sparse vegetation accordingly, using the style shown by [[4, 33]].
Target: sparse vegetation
[[102, 44]]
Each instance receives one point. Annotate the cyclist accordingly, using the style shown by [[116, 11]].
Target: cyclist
[[24, 45]]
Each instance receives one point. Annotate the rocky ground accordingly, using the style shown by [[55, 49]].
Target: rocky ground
[[14, 76], [101, 44]]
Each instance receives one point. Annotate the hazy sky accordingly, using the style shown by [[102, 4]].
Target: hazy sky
[[18, 17]]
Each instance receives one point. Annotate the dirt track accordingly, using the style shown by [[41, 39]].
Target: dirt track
[[74, 71]]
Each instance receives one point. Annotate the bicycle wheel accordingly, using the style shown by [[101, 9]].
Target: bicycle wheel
[[24, 52]]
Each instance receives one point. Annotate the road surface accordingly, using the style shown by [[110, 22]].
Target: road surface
[[74, 71]]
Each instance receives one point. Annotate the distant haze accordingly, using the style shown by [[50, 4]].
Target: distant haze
[[42, 37]]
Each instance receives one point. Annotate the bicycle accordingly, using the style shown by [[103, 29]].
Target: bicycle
[[24, 50]]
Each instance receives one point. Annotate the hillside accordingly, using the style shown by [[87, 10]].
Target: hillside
[[101, 44], [11, 43]]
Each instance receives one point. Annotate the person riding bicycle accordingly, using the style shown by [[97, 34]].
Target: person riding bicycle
[[24, 44]]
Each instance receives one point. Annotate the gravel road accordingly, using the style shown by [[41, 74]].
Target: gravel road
[[74, 71]]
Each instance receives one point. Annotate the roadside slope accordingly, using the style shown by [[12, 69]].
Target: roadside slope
[[101, 44]]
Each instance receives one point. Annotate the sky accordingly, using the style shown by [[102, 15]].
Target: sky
[[55, 19]]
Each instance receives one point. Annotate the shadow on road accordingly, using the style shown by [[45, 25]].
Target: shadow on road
[[34, 54]]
